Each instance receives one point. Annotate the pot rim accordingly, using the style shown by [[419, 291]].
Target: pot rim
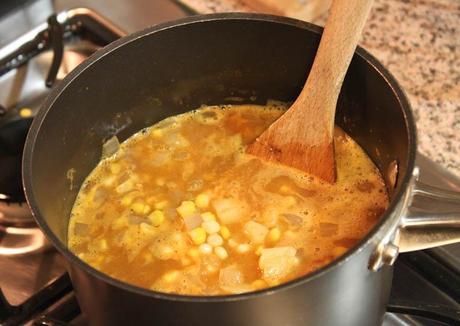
[[56, 92]]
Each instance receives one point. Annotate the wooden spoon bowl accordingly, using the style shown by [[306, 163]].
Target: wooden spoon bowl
[[303, 136]]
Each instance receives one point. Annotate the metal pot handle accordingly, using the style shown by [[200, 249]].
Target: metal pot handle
[[432, 218]]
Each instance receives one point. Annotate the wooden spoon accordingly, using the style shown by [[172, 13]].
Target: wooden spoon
[[303, 136]]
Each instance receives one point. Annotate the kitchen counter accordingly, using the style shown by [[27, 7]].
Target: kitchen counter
[[419, 42]]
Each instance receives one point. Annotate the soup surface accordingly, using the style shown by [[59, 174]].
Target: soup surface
[[181, 208]]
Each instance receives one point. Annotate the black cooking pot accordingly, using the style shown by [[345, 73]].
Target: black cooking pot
[[216, 59]]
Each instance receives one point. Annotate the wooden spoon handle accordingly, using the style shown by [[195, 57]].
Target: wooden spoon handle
[[303, 136], [338, 43]]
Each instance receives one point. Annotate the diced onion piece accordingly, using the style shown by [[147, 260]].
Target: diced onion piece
[[255, 231], [110, 147], [328, 229], [163, 252], [195, 185], [193, 221], [294, 221], [232, 243], [175, 139], [147, 229], [134, 219], [277, 262], [211, 227], [126, 186], [100, 195], [80, 229], [230, 210], [231, 280], [181, 156]]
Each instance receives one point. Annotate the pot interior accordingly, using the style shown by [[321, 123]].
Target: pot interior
[[166, 71]]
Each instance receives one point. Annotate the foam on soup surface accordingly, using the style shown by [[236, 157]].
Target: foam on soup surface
[[181, 208]]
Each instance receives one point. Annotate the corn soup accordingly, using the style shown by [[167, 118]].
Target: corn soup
[[181, 208]]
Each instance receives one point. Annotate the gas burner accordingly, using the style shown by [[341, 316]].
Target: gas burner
[[16, 241], [17, 214], [56, 47]]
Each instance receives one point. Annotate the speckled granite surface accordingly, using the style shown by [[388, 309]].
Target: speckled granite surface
[[419, 42]]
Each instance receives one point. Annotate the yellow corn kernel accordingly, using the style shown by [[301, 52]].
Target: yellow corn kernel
[[128, 199], [205, 248], [221, 252], [194, 253], [290, 200], [186, 208], [284, 189], [339, 251], [119, 223], [160, 182], [243, 248], [115, 168], [274, 234], [140, 208], [198, 235], [211, 227], [170, 276], [225, 232], [202, 201], [259, 284], [259, 249], [215, 240], [157, 133], [161, 204], [290, 234], [25, 112], [148, 258], [208, 216], [165, 253], [232, 243], [185, 261], [103, 246], [157, 217]]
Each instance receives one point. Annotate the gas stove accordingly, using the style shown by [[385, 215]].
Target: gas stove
[[35, 288]]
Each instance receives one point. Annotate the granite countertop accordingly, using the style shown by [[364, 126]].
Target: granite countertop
[[419, 42]]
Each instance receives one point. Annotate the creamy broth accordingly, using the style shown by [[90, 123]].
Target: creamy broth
[[181, 208]]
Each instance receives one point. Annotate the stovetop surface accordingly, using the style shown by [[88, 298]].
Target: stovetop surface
[[22, 276]]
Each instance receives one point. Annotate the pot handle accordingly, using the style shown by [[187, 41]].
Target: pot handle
[[431, 220]]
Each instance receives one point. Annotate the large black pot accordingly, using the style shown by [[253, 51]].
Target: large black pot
[[176, 67]]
